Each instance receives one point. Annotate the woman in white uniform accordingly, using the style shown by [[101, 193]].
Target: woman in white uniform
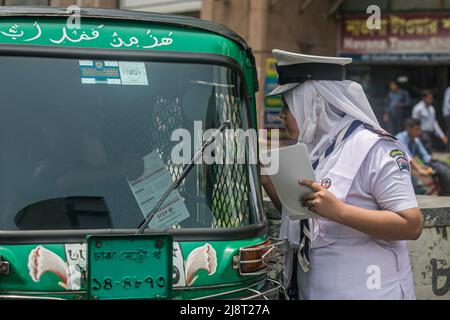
[[363, 195]]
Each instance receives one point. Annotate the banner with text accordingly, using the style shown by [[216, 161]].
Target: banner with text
[[402, 36]]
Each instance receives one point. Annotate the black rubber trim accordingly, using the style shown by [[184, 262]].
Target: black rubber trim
[[141, 55], [67, 236], [185, 235]]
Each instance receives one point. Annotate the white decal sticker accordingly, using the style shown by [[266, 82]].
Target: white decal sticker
[[42, 260], [201, 258], [76, 260], [133, 73], [179, 279]]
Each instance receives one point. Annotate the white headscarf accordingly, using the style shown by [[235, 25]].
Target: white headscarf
[[323, 108]]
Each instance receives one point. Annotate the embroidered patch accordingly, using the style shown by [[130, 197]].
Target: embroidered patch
[[402, 163], [326, 183], [396, 153]]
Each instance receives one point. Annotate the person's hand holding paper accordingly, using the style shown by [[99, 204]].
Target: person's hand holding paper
[[293, 165]]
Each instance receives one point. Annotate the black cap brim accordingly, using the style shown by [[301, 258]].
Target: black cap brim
[[282, 89]]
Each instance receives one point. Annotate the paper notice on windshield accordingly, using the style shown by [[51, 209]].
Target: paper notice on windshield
[[133, 73], [151, 186]]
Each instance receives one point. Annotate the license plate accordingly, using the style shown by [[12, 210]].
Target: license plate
[[129, 266]]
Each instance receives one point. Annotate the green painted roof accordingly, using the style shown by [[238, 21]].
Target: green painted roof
[[121, 29], [173, 20]]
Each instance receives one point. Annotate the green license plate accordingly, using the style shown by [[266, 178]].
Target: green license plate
[[129, 266]]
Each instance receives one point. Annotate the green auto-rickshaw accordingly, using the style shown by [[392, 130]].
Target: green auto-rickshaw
[[89, 109]]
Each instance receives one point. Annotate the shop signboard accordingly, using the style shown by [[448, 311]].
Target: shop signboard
[[404, 37]]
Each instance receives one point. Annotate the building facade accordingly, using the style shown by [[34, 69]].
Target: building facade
[[412, 47]]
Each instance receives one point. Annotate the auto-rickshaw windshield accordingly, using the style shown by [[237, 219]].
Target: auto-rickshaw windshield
[[93, 144]]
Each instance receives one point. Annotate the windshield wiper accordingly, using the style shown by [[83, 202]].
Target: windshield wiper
[[186, 169]]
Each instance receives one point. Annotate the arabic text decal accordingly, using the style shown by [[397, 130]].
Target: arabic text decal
[[143, 39]]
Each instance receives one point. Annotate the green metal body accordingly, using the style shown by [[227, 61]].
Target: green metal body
[[20, 282], [96, 33]]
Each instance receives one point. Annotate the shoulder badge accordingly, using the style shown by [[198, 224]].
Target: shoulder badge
[[402, 163], [396, 153], [400, 158]]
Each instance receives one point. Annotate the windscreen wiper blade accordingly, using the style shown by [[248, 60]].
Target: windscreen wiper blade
[[186, 169]]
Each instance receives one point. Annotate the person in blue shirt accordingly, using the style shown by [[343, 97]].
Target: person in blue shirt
[[396, 108], [446, 112], [411, 141]]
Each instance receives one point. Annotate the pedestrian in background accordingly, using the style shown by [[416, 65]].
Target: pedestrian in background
[[396, 108], [410, 139], [425, 112], [412, 144], [446, 112]]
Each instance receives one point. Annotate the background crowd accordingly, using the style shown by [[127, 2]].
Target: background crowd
[[417, 128]]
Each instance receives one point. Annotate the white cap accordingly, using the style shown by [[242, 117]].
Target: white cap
[[295, 68]]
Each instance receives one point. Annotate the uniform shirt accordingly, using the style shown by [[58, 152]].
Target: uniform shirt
[[414, 147], [341, 255], [383, 181], [427, 116]]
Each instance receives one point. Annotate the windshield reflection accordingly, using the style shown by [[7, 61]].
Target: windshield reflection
[[65, 139]]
